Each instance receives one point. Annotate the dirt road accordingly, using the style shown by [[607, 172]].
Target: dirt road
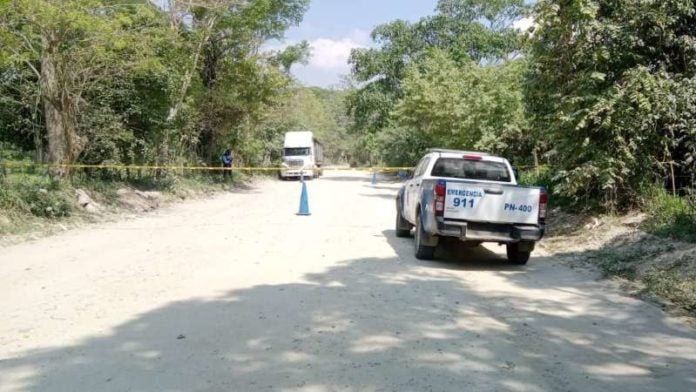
[[239, 294]]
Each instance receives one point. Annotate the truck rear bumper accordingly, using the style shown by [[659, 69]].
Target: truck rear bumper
[[490, 232]]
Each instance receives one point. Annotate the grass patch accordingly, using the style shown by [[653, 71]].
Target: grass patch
[[673, 285], [36, 195], [670, 216], [625, 262]]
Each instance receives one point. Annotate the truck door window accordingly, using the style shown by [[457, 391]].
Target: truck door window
[[471, 170]]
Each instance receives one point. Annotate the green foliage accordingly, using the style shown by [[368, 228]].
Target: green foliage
[[318, 110], [339, 145], [293, 54], [470, 106], [146, 86], [36, 195], [400, 147], [604, 97], [670, 216], [234, 107], [238, 85], [541, 176], [547, 177], [21, 123], [611, 91], [465, 30], [85, 58]]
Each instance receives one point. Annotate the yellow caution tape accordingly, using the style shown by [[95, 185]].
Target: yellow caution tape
[[207, 168], [190, 168]]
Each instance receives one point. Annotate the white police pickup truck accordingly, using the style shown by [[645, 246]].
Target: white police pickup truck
[[473, 197]]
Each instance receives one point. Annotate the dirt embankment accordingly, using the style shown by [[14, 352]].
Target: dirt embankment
[[658, 269], [89, 206]]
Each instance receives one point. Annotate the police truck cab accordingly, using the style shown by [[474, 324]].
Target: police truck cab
[[471, 196]]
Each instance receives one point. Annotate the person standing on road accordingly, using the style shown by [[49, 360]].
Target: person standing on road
[[227, 159]]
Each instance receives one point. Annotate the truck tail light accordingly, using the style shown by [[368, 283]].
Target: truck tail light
[[440, 197], [472, 157], [543, 203]]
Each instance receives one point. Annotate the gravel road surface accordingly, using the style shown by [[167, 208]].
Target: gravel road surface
[[237, 293]]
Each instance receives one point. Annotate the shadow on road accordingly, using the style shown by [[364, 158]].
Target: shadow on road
[[377, 324], [454, 255]]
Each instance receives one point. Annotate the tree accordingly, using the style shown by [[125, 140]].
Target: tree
[[69, 47], [470, 106], [450, 80], [237, 81], [21, 121], [611, 84], [127, 81], [293, 54], [467, 30], [315, 109]]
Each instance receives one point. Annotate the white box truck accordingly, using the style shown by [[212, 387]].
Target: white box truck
[[303, 156]]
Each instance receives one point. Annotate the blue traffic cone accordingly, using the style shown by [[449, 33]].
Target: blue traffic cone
[[304, 201], [374, 178]]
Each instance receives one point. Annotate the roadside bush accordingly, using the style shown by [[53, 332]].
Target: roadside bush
[[37, 195], [668, 215], [546, 177], [543, 176], [403, 146], [51, 204]]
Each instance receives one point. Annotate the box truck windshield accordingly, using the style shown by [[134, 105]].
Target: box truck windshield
[[298, 151]]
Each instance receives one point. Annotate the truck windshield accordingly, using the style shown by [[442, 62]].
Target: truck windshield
[[471, 170], [296, 152]]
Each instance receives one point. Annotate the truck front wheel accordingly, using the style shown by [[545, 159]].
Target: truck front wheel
[[518, 254], [423, 252]]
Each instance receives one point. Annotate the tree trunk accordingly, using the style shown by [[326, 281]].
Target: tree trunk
[[64, 145], [57, 144]]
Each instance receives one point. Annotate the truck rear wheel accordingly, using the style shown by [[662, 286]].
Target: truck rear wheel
[[403, 227], [423, 252], [517, 254]]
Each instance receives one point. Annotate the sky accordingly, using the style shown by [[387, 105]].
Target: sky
[[334, 27]]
